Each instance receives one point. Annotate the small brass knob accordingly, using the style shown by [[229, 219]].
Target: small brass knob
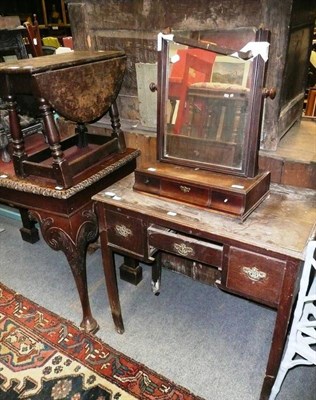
[[153, 87], [269, 92]]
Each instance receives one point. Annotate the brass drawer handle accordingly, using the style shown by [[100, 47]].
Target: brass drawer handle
[[183, 249], [122, 230], [254, 273], [185, 189]]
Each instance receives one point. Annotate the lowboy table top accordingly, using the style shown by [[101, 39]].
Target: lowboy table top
[[43, 187], [283, 223]]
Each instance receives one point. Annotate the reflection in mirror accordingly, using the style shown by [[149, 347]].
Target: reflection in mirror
[[207, 107]]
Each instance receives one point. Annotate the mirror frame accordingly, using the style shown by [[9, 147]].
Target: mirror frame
[[249, 162]]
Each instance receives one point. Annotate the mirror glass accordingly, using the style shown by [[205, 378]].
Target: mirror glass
[[207, 107]]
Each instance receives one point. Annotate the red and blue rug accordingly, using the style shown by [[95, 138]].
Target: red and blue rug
[[43, 356]]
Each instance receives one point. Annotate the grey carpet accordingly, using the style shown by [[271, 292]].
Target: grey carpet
[[211, 342]]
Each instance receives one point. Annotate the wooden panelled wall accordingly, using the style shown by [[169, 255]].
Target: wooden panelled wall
[[132, 26]]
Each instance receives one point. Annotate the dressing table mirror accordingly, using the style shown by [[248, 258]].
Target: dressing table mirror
[[210, 100]]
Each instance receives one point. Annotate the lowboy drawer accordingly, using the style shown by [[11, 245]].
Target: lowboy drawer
[[125, 232], [185, 246], [257, 276]]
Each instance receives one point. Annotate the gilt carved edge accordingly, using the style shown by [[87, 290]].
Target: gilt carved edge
[[24, 185]]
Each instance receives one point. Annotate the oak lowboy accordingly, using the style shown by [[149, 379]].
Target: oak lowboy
[[258, 259]]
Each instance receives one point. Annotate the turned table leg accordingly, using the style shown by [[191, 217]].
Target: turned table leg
[[17, 137], [60, 164], [72, 235], [116, 126]]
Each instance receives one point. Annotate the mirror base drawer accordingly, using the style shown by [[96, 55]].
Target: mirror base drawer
[[228, 194]]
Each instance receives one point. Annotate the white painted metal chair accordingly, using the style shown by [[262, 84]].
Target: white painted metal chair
[[300, 349]]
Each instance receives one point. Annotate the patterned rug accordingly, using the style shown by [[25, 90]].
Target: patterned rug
[[43, 356]]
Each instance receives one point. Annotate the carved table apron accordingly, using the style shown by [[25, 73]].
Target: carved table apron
[[66, 217], [259, 259]]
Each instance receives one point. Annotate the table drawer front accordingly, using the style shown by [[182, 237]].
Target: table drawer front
[[185, 246], [125, 232], [256, 275], [184, 192]]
